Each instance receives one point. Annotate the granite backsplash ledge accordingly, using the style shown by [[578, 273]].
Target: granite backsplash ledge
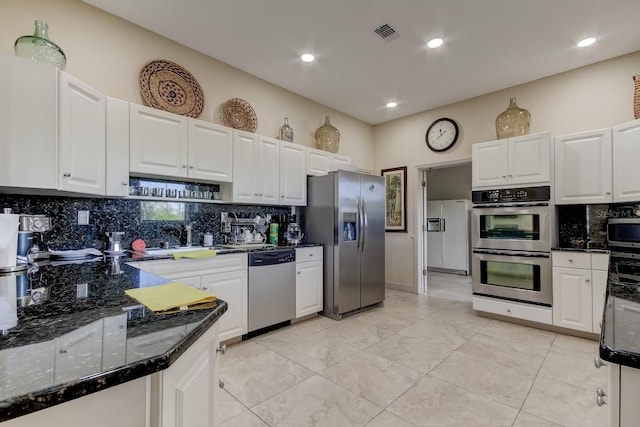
[[125, 215]]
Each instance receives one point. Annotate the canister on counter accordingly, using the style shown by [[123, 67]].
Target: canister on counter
[[273, 233]]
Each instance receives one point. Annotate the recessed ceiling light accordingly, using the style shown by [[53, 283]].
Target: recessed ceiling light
[[433, 43], [392, 104], [586, 42], [307, 57]]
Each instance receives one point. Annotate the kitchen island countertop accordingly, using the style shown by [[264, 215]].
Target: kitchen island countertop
[[77, 333], [620, 336]]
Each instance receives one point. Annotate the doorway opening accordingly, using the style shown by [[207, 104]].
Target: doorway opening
[[444, 200]]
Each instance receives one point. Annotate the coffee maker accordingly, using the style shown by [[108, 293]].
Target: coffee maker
[[38, 225]]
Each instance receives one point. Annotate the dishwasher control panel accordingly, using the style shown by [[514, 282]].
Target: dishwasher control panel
[[272, 257]]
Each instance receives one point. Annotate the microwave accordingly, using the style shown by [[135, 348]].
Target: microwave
[[623, 232]]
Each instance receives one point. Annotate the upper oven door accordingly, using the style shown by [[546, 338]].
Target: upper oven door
[[512, 227]]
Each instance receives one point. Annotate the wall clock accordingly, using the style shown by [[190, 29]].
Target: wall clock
[[442, 134]]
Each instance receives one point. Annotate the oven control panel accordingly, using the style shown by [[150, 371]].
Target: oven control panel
[[505, 195]]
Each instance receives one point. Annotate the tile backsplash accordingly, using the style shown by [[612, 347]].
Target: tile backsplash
[[124, 215], [583, 226]]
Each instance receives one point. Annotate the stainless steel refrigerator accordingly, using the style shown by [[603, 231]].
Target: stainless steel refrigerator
[[345, 212]]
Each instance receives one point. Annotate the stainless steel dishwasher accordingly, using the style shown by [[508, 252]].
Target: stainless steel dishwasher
[[272, 288]]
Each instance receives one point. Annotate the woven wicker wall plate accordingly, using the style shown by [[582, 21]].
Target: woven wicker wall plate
[[238, 114], [167, 86]]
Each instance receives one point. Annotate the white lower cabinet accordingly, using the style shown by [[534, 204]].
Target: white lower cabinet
[[620, 395], [232, 288], [517, 310], [183, 395], [579, 283], [309, 281], [224, 276]]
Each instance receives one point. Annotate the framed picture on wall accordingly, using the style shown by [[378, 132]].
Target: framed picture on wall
[[395, 180]]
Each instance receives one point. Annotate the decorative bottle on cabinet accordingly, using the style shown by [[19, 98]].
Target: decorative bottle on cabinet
[[328, 137], [286, 131], [514, 121], [39, 48]]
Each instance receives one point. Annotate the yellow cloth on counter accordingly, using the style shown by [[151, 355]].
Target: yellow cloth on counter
[[172, 297], [196, 254]]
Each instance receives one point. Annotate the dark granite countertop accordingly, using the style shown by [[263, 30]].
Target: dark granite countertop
[[78, 333], [586, 250], [620, 336], [138, 256]]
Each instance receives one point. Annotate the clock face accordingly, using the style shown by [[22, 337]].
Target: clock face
[[442, 134]]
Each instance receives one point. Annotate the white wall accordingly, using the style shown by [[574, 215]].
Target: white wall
[[592, 97], [107, 53]]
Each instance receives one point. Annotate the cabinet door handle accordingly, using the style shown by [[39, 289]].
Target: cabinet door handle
[[124, 183], [282, 196], [570, 259], [221, 383], [184, 166], [222, 349], [63, 351], [608, 192], [600, 397], [191, 167], [298, 273], [67, 175], [598, 363], [587, 280]]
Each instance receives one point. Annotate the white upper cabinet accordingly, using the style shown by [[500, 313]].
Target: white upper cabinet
[[82, 132], [626, 152], [321, 162], [52, 129], [169, 145], [522, 160], [210, 151], [293, 174], [117, 165], [28, 124], [583, 168], [158, 142], [256, 169]]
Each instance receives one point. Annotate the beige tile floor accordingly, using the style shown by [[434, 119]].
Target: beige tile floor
[[421, 360]]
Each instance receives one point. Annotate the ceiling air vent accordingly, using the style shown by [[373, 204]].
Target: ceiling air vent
[[386, 32]]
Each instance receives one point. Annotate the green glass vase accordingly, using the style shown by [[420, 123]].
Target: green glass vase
[[39, 48]]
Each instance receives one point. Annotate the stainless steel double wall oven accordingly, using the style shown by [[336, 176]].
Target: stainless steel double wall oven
[[511, 237]]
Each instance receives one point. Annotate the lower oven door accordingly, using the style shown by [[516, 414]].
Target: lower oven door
[[516, 275]]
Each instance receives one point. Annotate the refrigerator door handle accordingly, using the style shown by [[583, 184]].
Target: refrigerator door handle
[[444, 224], [365, 223], [360, 224]]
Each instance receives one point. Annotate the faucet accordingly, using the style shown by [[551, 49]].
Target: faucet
[[187, 229]]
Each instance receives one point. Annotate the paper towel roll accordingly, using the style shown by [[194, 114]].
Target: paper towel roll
[[8, 306], [8, 239]]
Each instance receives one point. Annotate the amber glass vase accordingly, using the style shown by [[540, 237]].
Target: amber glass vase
[[328, 137], [514, 121]]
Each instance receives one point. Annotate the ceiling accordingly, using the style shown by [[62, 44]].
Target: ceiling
[[488, 44]]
